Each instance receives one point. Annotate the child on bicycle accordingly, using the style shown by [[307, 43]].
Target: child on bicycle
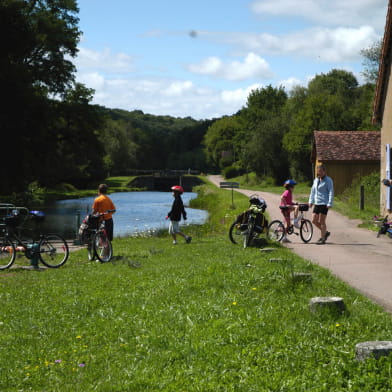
[[287, 205]]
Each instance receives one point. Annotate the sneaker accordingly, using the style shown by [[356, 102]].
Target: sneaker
[[175, 242], [286, 240], [321, 241], [327, 234], [188, 239]]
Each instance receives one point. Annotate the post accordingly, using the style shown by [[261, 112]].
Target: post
[[362, 197], [76, 240], [232, 185]]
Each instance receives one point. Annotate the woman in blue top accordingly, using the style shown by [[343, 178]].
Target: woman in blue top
[[321, 196]]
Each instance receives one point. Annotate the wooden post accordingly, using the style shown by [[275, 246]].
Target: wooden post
[[362, 197]]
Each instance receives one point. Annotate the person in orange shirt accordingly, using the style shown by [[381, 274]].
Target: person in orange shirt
[[101, 205]]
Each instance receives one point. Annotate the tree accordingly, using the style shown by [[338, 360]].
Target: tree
[[37, 39], [265, 127], [371, 61], [223, 140], [331, 102]]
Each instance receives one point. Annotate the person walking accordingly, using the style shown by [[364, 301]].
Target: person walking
[[321, 196], [175, 213], [101, 205]]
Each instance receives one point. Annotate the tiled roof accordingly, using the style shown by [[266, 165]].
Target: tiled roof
[[383, 71], [347, 145]]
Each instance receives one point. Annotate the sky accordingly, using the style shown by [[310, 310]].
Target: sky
[[201, 59]]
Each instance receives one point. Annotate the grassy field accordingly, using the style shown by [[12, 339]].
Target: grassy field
[[208, 316]]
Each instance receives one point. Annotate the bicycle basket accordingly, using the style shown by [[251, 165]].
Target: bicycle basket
[[304, 207]]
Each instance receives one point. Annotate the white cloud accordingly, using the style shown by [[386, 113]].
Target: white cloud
[[331, 12], [238, 96], [318, 43], [179, 98], [289, 83], [253, 66], [103, 60]]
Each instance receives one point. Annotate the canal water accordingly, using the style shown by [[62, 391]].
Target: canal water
[[136, 213]]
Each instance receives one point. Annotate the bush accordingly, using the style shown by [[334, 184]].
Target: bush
[[230, 172]]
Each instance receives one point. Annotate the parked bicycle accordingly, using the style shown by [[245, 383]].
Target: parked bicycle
[[51, 249], [276, 229], [250, 224], [384, 227], [92, 232]]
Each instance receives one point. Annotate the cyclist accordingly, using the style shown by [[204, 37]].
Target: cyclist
[[101, 205], [287, 205]]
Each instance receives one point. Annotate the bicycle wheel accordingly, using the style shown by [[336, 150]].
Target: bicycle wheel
[[235, 234], [306, 230], [276, 231], [102, 247], [7, 253], [53, 250]]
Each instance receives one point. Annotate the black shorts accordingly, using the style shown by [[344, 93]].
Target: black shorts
[[109, 228], [320, 209]]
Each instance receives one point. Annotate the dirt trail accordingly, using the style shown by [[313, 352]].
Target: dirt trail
[[353, 254]]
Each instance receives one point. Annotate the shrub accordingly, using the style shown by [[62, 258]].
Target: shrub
[[230, 172]]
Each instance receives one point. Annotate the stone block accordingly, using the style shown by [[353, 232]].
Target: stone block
[[375, 349]]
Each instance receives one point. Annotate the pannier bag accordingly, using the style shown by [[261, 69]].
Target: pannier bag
[[90, 222]]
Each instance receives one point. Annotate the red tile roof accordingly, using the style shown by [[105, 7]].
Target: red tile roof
[[346, 145], [383, 72]]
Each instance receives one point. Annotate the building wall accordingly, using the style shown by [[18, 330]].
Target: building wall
[[343, 172], [386, 138]]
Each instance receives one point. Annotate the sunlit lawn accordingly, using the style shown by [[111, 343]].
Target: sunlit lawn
[[208, 316]]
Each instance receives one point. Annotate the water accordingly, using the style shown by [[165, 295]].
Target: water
[[136, 213]]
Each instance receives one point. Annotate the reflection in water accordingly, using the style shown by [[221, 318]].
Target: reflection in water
[[137, 212]]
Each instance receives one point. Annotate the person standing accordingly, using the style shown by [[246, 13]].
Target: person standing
[[321, 196], [101, 205], [175, 213]]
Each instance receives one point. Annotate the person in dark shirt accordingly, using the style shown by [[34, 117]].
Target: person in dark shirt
[[177, 210]]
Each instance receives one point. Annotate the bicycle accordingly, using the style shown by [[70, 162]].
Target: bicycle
[[93, 233], [277, 230], [385, 227], [51, 249], [250, 224]]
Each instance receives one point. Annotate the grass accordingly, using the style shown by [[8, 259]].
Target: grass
[[209, 316]]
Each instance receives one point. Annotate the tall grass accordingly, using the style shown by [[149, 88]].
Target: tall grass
[[208, 316]]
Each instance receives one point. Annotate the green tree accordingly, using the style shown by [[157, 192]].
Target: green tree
[[37, 40], [265, 125], [334, 102], [371, 61], [223, 140]]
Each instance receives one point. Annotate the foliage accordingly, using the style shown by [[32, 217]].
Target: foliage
[[224, 139], [348, 203], [230, 172], [371, 61]]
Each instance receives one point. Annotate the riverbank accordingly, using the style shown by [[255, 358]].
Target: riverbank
[[203, 316]]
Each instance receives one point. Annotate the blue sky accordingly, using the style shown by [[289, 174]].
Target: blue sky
[[202, 58]]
